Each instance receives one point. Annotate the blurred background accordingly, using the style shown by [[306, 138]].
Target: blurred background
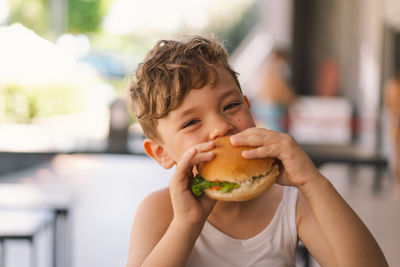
[[72, 167]]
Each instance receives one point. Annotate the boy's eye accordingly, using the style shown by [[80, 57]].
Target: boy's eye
[[232, 105], [190, 123]]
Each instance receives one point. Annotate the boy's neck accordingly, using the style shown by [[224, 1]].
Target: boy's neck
[[243, 220], [238, 209]]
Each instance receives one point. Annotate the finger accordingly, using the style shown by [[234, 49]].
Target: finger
[[202, 156], [184, 173], [182, 167], [261, 152], [253, 137], [207, 146], [204, 153], [189, 159], [190, 154]]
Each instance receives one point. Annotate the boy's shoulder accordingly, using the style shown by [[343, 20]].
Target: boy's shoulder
[[152, 219], [157, 200], [157, 205]]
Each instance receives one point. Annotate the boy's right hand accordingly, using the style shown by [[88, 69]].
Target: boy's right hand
[[187, 208]]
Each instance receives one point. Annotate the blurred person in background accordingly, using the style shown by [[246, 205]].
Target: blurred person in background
[[392, 104], [328, 78], [275, 94]]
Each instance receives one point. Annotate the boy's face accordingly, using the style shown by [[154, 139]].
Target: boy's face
[[205, 114]]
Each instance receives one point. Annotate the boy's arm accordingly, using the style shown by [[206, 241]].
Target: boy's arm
[[332, 231], [327, 225], [155, 233], [168, 223]]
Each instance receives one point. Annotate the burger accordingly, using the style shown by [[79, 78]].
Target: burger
[[230, 177]]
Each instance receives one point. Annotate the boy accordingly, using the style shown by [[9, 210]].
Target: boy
[[185, 96]]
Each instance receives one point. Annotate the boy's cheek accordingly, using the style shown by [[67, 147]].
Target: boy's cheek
[[250, 122]]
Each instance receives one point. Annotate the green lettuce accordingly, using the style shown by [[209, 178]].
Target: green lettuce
[[198, 185]]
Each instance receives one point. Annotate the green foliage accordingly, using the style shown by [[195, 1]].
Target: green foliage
[[21, 104], [33, 14], [85, 16]]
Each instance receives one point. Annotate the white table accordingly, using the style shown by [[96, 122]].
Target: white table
[[40, 198]]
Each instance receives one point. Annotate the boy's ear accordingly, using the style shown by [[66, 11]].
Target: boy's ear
[[246, 100], [159, 153]]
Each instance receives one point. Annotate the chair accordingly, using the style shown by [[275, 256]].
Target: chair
[[22, 225]]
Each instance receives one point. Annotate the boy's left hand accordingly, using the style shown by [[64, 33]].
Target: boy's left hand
[[298, 168]]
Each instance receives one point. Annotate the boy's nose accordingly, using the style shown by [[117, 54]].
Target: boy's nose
[[221, 128]]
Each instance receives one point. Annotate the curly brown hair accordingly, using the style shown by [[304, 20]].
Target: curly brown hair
[[170, 70]]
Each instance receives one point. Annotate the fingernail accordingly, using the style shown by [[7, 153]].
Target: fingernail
[[210, 155], [245, 154], [234, 138], [211, 143]]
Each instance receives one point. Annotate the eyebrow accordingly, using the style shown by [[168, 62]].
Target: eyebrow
[[186, 112], [191, 110], [231, 91]]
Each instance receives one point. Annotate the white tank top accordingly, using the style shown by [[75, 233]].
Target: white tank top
[[274, 246]]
